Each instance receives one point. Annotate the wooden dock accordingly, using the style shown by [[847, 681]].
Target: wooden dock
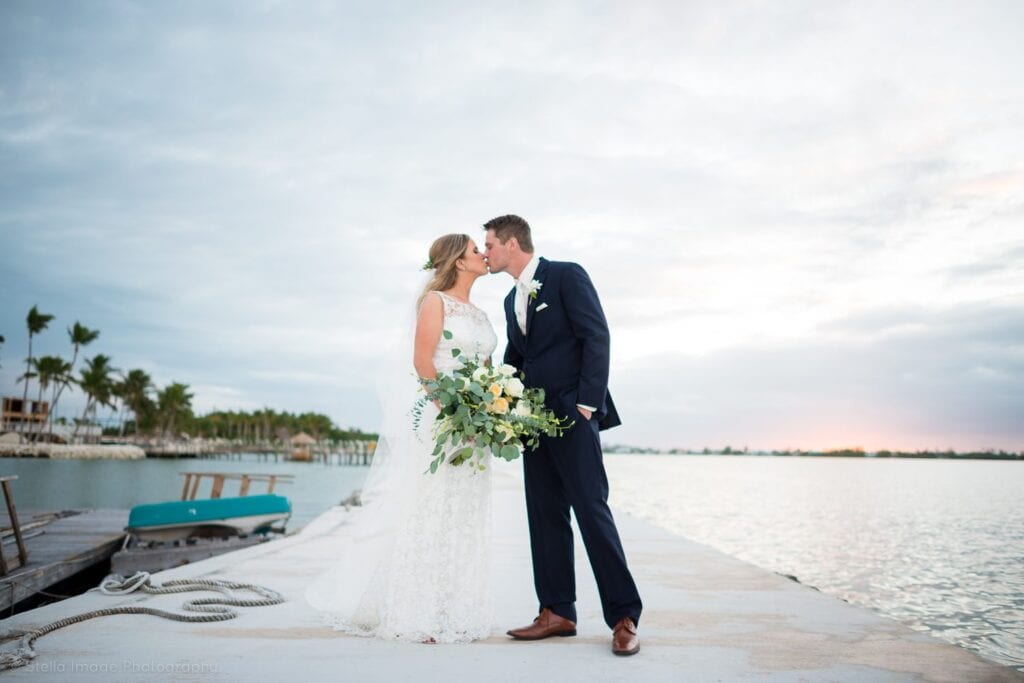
[[60, 543]]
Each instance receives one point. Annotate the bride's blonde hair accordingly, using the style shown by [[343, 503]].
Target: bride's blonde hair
[[444, 252]]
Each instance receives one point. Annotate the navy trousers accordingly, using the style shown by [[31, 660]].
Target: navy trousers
[[569, 472]]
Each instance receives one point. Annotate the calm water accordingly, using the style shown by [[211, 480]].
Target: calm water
[[62, 484], [936, 544]]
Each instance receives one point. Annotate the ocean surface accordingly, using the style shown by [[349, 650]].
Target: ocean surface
[[73, 484], [935, 544]]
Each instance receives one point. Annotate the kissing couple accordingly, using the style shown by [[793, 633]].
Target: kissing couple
[[415, 564]]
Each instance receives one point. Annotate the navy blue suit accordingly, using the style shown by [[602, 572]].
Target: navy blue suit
[[566, 352]]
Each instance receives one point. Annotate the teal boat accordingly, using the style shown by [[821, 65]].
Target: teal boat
[[210, 517]]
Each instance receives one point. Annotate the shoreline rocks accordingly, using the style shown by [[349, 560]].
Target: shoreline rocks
[[65, 452]]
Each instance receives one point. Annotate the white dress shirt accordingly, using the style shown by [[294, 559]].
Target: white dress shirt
[[523, 300], [522, 291]]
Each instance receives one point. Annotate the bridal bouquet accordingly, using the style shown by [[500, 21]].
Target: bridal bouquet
[[485, 409]]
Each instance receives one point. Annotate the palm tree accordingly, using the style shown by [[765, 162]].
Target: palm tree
[[96, 383], [117, 392], [236, 424], [50, 370], [80, 336], [134, 393], [36, 322], [266, 419], [314, 424], [60, 378], [173, 402]]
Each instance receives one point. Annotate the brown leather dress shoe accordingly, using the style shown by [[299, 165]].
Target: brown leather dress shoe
[[624, 639], [546, 624]]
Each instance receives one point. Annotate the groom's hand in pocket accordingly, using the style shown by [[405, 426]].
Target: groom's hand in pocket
[[584, 412]]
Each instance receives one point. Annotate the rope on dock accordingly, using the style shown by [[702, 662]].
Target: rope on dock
[[115, 584]]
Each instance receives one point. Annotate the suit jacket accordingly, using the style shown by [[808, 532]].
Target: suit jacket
[[566, 348]]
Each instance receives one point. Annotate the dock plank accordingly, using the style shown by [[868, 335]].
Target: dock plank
[[60, 548]]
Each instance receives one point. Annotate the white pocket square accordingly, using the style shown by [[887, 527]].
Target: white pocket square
[[541, 308]]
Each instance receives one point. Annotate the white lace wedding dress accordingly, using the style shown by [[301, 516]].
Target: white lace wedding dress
[[433, 581]]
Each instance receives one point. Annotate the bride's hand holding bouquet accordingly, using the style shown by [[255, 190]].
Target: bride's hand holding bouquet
[[484, 409]]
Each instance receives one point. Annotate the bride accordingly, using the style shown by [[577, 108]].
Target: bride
[[415, 558]]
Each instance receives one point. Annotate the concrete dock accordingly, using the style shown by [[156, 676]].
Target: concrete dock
[[707, 617]]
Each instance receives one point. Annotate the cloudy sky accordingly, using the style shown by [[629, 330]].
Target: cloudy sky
[[804, 219]]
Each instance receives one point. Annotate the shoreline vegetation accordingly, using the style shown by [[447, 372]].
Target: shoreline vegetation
[[142, 416], [948, 454]]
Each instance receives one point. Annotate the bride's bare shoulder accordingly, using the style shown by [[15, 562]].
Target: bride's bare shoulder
[[432, 304]]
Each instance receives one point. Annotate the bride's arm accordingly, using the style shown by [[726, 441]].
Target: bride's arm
[[429, 325]]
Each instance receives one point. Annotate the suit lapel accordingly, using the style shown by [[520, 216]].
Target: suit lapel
[[531, 304], [510, 314]]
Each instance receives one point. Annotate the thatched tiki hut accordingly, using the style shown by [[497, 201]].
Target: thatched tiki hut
[[301, 443]]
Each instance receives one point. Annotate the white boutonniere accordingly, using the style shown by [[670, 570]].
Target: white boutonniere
[[533, 288]]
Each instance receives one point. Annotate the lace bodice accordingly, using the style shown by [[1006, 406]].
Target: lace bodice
[[472, 333]]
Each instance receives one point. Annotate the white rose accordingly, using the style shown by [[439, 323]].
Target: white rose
[[479, 374], [514, 387], [507, 370], [522, 409]]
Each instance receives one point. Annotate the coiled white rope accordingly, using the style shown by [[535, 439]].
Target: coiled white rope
[[115, 584]]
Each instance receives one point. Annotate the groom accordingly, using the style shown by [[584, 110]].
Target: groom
[[558, 337]]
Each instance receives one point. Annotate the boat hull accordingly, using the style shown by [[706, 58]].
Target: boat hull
[[213, 517]]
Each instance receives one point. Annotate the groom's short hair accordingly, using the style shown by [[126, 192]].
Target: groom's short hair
[[511, 225]]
